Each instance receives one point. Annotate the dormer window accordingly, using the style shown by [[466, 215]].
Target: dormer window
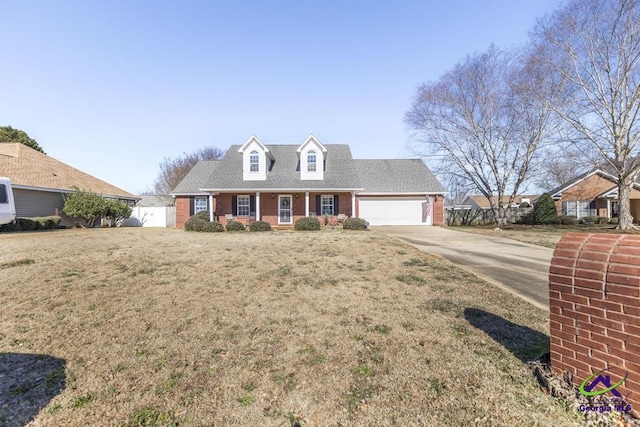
[[254, 162], [312, 156], [311, 161]]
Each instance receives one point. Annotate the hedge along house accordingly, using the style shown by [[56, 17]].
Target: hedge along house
[[282, 183], [594, 193], [40, 182]]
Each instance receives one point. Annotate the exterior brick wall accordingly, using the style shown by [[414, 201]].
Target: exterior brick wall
[[594, 304], [269, 208], [590, 188], [585, 190], [183, 210], [438, 211]]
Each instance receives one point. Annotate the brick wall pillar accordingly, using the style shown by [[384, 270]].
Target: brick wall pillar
[[438, 210], [594, 304], [183, 210]]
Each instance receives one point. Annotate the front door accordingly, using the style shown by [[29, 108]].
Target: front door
[[284, 210]]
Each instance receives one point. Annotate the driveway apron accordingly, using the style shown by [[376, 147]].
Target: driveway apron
[[517, 267]]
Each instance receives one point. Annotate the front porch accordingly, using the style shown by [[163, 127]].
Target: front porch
[[282, 209]]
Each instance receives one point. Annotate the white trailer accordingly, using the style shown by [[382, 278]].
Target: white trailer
[[7, 203]]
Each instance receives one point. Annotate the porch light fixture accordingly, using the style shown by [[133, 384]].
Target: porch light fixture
[[436, 198], [297, 195], [273, 195]]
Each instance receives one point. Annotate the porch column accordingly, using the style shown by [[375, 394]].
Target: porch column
[[257, 206], [353, 204], [211, 207], [609, 208], [306, 203]]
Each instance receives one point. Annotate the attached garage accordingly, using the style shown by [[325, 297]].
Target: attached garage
[[395, 210]]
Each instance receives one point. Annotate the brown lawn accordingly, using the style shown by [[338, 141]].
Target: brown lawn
[[129, 327], [543, 235]]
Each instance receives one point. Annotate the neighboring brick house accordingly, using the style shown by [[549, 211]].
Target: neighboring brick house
[[40, 182], [281, 183], [594, 193]]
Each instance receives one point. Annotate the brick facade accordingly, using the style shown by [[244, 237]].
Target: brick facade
[[183, 210], [590, 188], [438, 210], [269, 207], [594, 304]]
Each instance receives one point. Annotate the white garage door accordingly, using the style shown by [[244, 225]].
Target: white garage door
[[394, 210]]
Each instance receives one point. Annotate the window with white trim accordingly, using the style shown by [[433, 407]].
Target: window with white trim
[[244, 204], [311, 161], [200, 204], [326, 205], [577, 208], [254, 162]]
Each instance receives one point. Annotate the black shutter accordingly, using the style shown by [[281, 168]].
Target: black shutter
[[318, 206], [234, 205], [192, 205], [252, 204], [336, 205]]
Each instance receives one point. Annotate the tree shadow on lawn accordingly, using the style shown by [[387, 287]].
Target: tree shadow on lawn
[[525, 343], [28, 382]]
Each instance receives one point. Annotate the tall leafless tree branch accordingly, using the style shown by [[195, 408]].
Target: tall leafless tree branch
[[484, 121], [595, 46], [172, 171]]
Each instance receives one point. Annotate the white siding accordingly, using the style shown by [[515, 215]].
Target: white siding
[[247, 175], [305, 175]]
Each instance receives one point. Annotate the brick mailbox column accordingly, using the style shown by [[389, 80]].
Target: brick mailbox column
[[594, 304]]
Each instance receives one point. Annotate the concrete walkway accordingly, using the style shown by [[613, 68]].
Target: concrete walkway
[[520, 268]]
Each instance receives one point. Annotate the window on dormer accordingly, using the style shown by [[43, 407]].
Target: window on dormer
[[254, 162], [311, 161]]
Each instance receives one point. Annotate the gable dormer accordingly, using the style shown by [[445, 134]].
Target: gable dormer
[[312, 155], [256, 159]]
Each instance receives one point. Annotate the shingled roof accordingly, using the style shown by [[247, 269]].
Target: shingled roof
[[197, 176], [28, 168], [339, 173], [342, 173], [396, 176]]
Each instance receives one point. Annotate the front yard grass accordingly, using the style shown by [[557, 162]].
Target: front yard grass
[[164, 327], [542, 235]]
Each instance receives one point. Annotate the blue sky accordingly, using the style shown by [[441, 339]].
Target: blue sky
[[113, 87]]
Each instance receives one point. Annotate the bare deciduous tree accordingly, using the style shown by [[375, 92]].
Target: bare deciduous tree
[[595, 46], [172, 171], [564, 162], [482, 121]]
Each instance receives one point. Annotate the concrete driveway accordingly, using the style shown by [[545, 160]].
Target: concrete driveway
[[520, 268]]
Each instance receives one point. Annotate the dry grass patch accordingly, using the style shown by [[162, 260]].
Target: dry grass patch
[[163, 327], [542, 235]]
